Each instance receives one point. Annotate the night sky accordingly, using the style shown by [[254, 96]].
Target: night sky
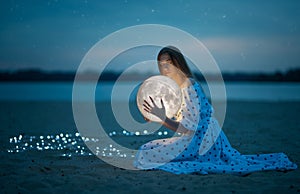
[[247, 36]]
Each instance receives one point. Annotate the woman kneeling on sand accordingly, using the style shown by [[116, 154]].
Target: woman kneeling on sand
[[203, 147]]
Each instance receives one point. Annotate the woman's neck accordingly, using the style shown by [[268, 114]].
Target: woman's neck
[[182, 81]]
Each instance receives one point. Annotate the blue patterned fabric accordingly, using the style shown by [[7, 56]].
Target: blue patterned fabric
[[205, 148]]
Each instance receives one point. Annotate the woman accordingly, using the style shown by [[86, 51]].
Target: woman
[[202, 147]]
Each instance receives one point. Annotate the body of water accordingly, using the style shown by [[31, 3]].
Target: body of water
[[62, 91]]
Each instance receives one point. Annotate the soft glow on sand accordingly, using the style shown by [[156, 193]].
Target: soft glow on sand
[[69, 145]]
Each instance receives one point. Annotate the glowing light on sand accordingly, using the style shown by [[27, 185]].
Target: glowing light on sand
[[70, 145]]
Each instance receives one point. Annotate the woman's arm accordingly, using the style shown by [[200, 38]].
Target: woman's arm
[[174, 126], [161, 113]]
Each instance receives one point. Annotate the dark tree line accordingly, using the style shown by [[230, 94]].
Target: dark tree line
[[292, 75]]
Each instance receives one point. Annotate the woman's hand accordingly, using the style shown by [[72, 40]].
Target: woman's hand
[[146, 119], [154, 109], [161, 113]]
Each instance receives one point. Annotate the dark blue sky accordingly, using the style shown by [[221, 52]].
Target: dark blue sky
[[241, 35]]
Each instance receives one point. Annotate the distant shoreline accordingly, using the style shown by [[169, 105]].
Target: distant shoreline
[[33, 75]]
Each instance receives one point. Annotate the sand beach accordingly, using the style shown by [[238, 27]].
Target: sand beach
[[251, 127]]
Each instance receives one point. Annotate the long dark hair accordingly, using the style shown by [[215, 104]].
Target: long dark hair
[[177, 59]]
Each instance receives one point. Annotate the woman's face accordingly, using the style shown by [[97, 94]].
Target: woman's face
[[166, 66]]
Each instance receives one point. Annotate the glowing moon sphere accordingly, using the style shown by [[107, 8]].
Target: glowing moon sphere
[[159, 87]]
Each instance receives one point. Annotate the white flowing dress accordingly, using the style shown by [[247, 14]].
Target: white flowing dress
[[205, 149]]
